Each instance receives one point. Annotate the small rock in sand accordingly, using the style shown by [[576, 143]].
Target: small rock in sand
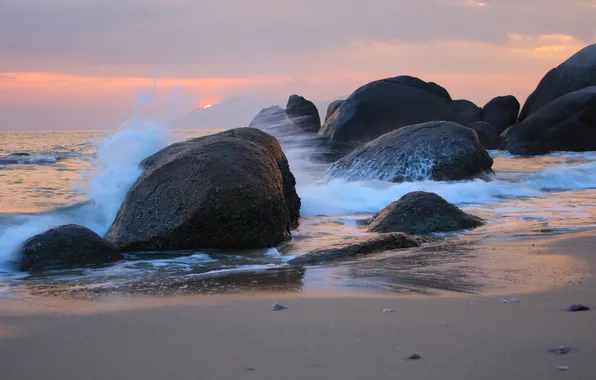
[[562, 350], [562, 368], [387, 311], [577, 307], [414, 357], [510, 300], [276, 307]]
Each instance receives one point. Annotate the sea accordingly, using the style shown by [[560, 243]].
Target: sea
[[51, 178]]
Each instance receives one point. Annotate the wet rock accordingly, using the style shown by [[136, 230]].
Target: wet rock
[[271, 119], [568, 123], [303, 114], [510, 300], [332, 107], [437, 150], [420, 212], [576, 73], [486, 134], [277, 307], [20, 154], [68, 246], [414, 357], [355, 247], [578, 307], [501, 112], [233, 189], [388, 104], [468, 111]]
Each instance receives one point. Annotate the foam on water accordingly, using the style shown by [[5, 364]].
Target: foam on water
[[116, 168], [340, 197]]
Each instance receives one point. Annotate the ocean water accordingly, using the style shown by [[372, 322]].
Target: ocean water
[[50, 178]]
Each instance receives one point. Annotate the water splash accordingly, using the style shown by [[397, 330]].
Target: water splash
[[115, 169]]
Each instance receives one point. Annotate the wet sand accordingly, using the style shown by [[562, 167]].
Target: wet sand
[[324, 334]]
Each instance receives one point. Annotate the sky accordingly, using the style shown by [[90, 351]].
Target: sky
[[80, 64]]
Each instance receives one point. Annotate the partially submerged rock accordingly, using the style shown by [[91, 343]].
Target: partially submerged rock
[[501, 112], [421, 212], [303, 114], [67, 246], [385, 105], [576, 73], [355, 247], [568, 123], [233, 190], [437, 150], [486, 134]]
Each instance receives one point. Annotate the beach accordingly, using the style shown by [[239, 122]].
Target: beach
[[322, 334]]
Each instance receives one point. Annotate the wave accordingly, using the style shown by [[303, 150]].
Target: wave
[[339, 197], [15, 159], [115, 169]]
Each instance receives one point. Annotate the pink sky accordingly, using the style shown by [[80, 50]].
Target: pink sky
[[79, 64]]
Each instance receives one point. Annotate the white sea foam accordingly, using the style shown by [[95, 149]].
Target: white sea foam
[[116, 168]]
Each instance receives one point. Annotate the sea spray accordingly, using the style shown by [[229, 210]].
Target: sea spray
[[115, 169]]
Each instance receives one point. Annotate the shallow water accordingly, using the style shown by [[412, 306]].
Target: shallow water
[[82, 177]]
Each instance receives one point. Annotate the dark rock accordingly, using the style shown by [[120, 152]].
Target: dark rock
[[578, 72], [420, 212], [20, 154], [303, 114], [562, 350], [277, 307], [468, 111], [386, 105], [486, 134], [354, 247], [233, 190], [436, 150], [578, 307], [68, 246], [332, 107], [271, 118], [414, 357], [501, 112], [568, 123]]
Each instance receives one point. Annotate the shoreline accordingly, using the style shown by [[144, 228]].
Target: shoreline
[[322, 335]]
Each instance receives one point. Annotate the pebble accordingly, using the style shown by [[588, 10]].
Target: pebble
[[414, 357], [562, 350], [276, 307], [562, 368], [578, 307], [387, 311], [510, 300]]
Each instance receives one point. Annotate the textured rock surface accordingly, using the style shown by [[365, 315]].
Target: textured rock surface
[[231, 190], [435, 150], [67, 246]]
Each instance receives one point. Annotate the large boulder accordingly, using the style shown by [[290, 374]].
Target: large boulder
[[332, 107], [578, 72], [568, 123], [486, 134], [467, 111], [420, 212], [68, 246], [270, 118], [501, 112], [303, 114], [355, 247], [386, 105], [233, 189], [437, 150]]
